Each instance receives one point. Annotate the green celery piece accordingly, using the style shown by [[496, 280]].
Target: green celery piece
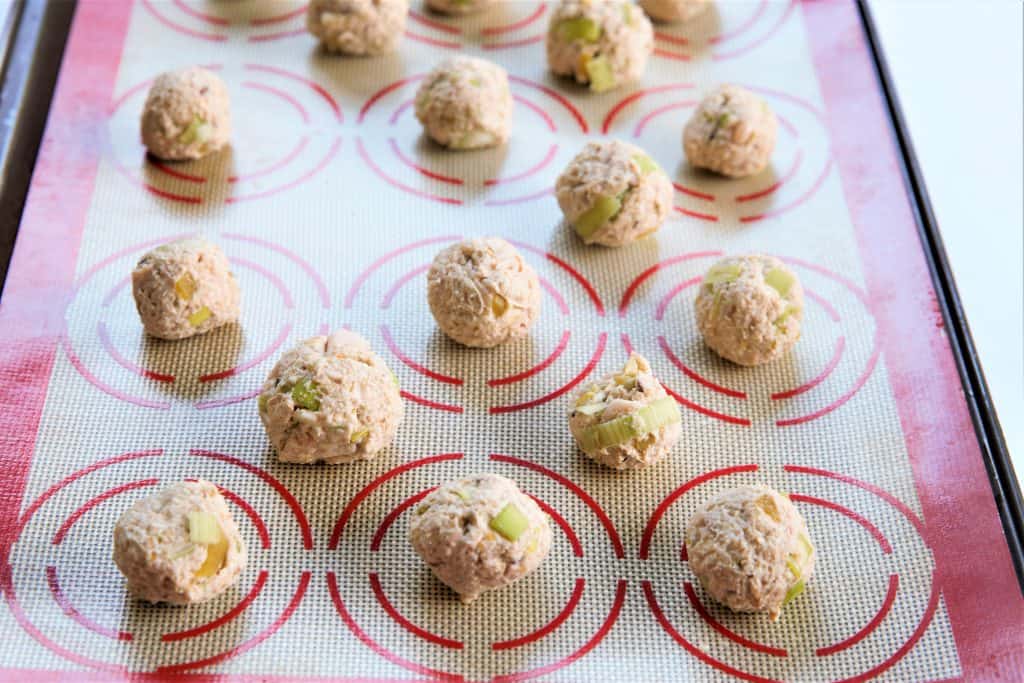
[[786, 313], [198, 131], [721, 273], [650, 418], [262, 402], [627, 13], [793, 567], [646, 163], [793, 592], [510, 522], [306, 394], [461, 494], [579, 28], [780, 280], [203, 528], [359, 436], [199, 317], [602, 76], [604, 210]]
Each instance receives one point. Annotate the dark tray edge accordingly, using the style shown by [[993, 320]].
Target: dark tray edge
[[1005, 486]]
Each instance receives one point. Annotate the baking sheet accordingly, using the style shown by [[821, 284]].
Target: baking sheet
[[330, 205]]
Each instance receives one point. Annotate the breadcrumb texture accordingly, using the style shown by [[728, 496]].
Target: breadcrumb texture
[[187, 115], [153, 549], [744, 544], [626, 40], [610, 168], [358, 27], [330, 399], [451, 531], [465, 103], [742, 317], [732, 132], [482, 293], [185, 288]]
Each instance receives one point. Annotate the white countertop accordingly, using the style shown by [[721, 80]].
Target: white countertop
[[960, 81]]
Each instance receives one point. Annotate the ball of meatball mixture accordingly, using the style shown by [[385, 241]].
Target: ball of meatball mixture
[[480, 533], [330, 399], [612, 193], [187, 115], [626, 420], [179, 545], [358, 27], [750, 309], [732, 132], [465, 103], [459, 6], [600, 43], [482, 293], [750, 549], [185, 288], [671, 11]]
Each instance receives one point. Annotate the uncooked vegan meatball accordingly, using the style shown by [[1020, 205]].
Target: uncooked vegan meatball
[[750, 549], [671, 11], [459, 6], [612, 193], [750, 309], [187, 115], [732, 132], [482, 293], [330, 399], [465, 103], [179, 545], [358, 27], [603, 43], [480, 533], [185, 288], [626, 420]]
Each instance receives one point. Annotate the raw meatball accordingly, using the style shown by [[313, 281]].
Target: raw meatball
[[732, 132], [671, 11], [459, 6], [179, 545], [187, 115], [465, 103], [358, 27], [625, 420], [602, 43], [482, 293], [613, 193], [330, 399], [185, 288], [750, 549], [480, 533], [750, 309]]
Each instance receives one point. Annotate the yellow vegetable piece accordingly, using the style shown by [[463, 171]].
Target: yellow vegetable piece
[[499, 305], [510, 522], [185, 286], [780, 280], [593, 219], [203, 529], [359, 436], [306, 394], [198, 131], [216, 556], [722, 272], [646, 163], [579, 28], [793, 592], [199, 317], [602, 76]]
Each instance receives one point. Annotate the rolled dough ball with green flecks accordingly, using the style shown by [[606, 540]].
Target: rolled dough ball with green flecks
[[330, 399], [750, 549], [600, 43], [480, 533], [187, 115], [358, 27], [465, 103], [612, 194], [750, 309], [732, 132]]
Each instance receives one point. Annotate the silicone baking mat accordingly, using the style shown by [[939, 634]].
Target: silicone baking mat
[[330, 206]]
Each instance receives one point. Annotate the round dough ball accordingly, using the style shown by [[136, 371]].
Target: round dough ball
[[187, 115], [750, 549], [612, 193], [465, 103], [732, 132], [480, 533], [750, 309], [185, 288], [358, 27], [626, 420], [159, 553], [599, 43], [457, 7], [671, 11], [330, 399], [482, 293]]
